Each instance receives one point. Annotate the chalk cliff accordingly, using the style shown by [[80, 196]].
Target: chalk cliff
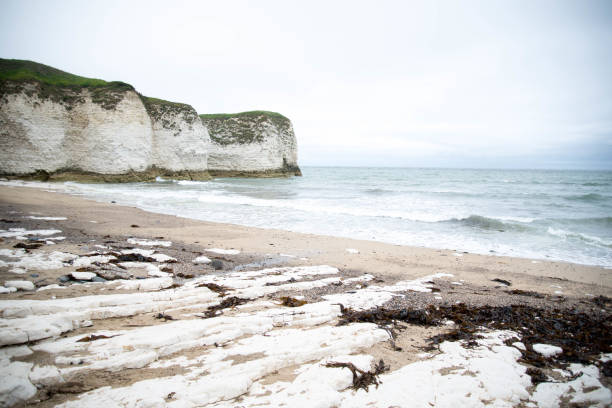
[[64, 127], [251, 143]]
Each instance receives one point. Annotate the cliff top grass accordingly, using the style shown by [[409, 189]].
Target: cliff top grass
[[249, 114], [243, 127], [57, 85], [159, 108], [28, 71], [160, 102]]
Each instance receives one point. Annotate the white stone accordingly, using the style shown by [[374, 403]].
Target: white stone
[[202, 259], [15, 385], [223, 251], [86, 276], [148, 242], [4, 289], [19, 285], [547, 350]]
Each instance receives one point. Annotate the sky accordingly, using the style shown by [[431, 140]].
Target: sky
[[501, 84]]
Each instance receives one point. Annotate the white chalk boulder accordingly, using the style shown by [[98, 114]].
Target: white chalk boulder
[[19, 285]]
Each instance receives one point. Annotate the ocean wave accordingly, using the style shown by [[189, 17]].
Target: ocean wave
[[315, 206], [161, 180], [589, 239], [595, 184], [588, 198], [379, 191], [494, 223], [597, 221], [191, 183]]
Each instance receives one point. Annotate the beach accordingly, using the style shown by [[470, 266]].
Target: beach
[[261, 343]]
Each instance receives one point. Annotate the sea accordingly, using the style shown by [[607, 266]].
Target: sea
[[561, 215]]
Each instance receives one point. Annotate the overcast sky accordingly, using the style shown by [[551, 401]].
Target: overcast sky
[[523, 84]]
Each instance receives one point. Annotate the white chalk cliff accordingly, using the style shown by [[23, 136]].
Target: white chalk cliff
[[251, 142], [62, 126]]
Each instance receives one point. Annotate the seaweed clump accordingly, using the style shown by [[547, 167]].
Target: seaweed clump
[[291, 302], [221, 290], [232, 301], [362, 379], [582, 336]]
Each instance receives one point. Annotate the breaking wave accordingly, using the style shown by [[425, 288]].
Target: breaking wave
[[500, 224], [589, 239]]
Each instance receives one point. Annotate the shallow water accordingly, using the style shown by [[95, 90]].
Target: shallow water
[[557, 215]]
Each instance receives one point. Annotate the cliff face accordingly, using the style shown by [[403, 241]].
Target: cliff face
[[41, 134], [61, 126], [255, 143], [180, 141]]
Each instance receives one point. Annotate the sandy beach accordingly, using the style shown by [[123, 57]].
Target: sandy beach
[[153, 255]]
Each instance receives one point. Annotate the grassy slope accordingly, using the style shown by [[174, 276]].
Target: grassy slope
[[62, 87], [249, 114], [241, 128], [29, 71]]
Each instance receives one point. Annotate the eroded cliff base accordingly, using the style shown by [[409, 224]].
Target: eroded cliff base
[[287, 171], [77, 175]]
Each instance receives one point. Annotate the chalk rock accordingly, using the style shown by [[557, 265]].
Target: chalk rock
[[86, 276], [255, 143], [4, 289], [547, 350], [94, 128], [112, 272], [19, 285], [202, 260], [107, 131]]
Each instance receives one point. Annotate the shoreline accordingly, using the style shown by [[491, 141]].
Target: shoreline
[[475, 234], [395, 259]]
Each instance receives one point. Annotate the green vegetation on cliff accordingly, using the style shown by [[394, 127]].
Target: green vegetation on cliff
[[249, 114], [164, 111], [58, 86], [243, 127]]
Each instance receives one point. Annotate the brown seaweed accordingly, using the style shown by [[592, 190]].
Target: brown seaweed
[[526, 293], [362, 379], [226, 303], [27, 246], [94, 337], [131, 258], [164, 316], [292, 302], [502, 281], [582, 336], [221, 290]]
